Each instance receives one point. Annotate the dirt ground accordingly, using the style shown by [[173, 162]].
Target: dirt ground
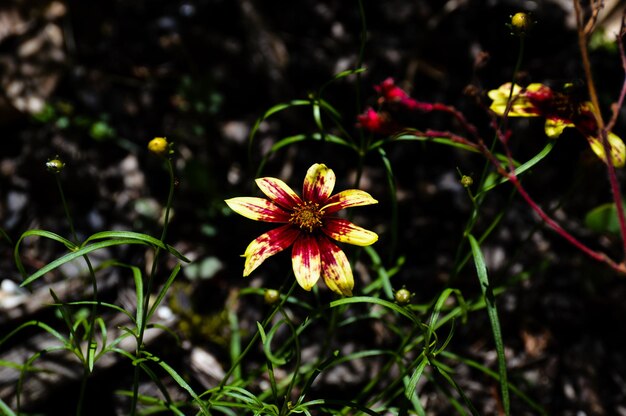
[[93, 81]]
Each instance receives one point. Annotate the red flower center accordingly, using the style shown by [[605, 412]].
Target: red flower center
[[307, 216]]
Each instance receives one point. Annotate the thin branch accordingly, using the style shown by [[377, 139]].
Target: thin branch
[[602, 131], [620, 102]]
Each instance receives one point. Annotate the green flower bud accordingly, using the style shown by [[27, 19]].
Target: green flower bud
[[271, 296], [466, 181], [55, 165], [403, 296]]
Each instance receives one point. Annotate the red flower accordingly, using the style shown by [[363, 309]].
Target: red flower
[[376, 122], [390, 92]]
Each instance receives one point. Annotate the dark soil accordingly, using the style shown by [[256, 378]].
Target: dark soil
[[114, 74]]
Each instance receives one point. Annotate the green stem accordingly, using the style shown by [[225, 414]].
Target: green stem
[[359, 65], [477, 202], [254, 338], [92, 316], [150, 283], [287, 403]]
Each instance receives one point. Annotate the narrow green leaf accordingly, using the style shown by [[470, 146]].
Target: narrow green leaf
[[235, 339], [367, 299], [104, 304], [523, 167], [413, 138], [38, 233], [267, 344], [38, 324], [393, 196], [144, 238], [273, 110], [78, 253], [481, 270], [439, 304], [181, 382], [287, 141], [383, 277], [409, 390], [6, 410], [472, 363], [164, 289]]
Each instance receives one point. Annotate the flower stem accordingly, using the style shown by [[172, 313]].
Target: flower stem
[[602, 131], [92, 315], [149, 284], [601, 257]]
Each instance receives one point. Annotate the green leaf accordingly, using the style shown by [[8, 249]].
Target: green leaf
[[38, 233], [6, 410], [410, 387], [367, 299], [273, 110], [141, 238], [603, 219], [481, 270]]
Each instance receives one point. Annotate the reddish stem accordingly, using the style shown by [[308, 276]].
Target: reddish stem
[[601, 257], [602, 131]]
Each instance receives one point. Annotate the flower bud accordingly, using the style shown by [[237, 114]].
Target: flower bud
[[271, 296], [55, 165], [466, 181], [403, 296], [159, 146], [521, 23]]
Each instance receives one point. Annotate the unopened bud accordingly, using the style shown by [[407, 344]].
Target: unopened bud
[[271, 296], [521, 23], [403, 296], [159, 146], [466, 181], [55, 165]]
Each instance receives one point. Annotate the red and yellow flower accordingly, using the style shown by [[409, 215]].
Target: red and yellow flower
[[561, 111], [309, 225]]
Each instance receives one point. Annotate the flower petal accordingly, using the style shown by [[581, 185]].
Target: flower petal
[[346, 232], [336, 268], [267, 245], [258, 209], [521, 106], [618, 150], [555, 126], [305, 258], [318, 183], [279, 192], [346, 199]]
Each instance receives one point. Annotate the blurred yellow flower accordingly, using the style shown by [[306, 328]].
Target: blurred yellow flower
[[159, 146], [560, 111]]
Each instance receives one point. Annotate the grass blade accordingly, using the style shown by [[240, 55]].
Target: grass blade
[[481, 270]]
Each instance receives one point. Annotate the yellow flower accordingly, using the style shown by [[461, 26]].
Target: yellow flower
[[308, 224], [560, 111]]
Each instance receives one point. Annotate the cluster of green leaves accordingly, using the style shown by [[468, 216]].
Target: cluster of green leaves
[[81, 340]]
